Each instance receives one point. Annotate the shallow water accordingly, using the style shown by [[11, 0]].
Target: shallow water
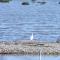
[[18, 22], [29, 58]]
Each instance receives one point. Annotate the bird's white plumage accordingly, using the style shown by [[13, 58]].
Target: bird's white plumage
[[31, 38]]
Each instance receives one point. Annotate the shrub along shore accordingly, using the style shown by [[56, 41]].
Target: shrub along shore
[[26, 47]]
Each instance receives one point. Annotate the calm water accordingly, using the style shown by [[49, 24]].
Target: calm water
[[19, 22], [29, 58]]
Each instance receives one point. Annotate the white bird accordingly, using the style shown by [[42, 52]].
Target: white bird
[[31, 38]]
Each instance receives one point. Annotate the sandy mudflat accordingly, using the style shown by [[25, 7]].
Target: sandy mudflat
[[29, 47]]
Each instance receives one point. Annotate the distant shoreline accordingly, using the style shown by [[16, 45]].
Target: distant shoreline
[[27, 47]]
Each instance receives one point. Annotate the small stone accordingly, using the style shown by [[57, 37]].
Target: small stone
[[41, 2], [25, 3], [59, 3]]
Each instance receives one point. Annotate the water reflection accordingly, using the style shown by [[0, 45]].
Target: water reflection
[[11, 57], [1, 57]]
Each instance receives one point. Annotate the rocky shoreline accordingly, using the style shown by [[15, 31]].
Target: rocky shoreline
[[27, 47]]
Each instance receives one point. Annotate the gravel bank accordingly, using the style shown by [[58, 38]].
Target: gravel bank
[[29, 47]]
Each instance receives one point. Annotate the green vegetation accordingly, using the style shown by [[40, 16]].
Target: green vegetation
[[5, 0]]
